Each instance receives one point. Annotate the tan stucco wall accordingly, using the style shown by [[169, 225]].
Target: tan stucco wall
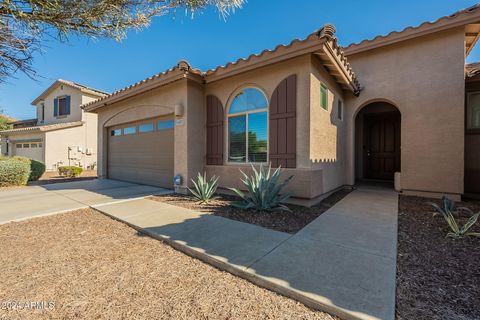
[[327, 132], [57, 143], [424, 78]]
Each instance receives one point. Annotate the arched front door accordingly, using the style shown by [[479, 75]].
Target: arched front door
[[378, 141]]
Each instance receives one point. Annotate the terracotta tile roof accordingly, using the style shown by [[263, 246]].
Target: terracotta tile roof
[[327, 33], [322, 39], [72, 84], [44, 128], [182, 67], [472, 69], [461, 16]]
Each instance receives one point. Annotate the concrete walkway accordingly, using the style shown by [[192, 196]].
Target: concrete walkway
[[26, 202], [344, 262]]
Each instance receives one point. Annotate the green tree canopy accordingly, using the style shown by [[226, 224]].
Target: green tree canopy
[[23, 23], [4, 121]]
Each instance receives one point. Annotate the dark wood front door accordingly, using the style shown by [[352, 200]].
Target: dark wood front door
[[382, 145]]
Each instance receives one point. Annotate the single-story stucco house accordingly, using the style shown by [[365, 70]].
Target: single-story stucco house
[[63, 133], [393, 107]]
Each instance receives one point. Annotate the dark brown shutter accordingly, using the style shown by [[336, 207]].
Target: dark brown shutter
[[283, 124], [214, 131]]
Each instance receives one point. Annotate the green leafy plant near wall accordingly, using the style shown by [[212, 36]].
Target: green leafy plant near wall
[[13, 172], [204, 189], [264, 190], [70, 171], [448, 211], [37, 168]]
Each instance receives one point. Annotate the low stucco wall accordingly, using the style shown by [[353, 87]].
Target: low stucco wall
[[306, 183]]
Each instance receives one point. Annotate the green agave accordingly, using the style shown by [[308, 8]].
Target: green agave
[[263, 190], [204, 189], [448, 211]]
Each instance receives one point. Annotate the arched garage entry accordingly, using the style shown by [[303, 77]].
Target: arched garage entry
[[377, 142]]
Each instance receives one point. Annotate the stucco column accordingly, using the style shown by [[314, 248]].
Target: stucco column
[[190, 136]]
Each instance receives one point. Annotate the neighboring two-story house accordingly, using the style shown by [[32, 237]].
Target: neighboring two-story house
[[62, 134]]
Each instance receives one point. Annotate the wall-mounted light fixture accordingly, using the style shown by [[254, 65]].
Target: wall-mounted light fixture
[[179, 110]]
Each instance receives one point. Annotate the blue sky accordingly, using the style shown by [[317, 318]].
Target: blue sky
[[207, 41]]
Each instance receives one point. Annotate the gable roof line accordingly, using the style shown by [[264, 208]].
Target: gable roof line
[[72, 84], [180, 71], [317, 42], [458, 18], [45, 128]]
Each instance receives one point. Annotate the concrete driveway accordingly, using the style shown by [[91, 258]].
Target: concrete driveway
[[32, 201]]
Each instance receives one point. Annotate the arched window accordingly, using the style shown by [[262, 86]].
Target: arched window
[[248, 127]]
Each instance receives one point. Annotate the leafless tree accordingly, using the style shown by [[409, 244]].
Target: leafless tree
[[24, 23]]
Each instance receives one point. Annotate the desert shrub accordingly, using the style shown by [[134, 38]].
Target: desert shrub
[[37, 168], [204, 189], [14, 172], [447, 211], [264, 191], [70, 171]]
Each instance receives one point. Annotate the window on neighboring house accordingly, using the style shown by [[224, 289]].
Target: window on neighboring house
[[323, 96], [26, 145], [18, 145], [61, 106], [42, 112], [116, 132], [130, 130], [248, 127], [146, 127], [39, 145], [340, 110], [33, 145], [473, 110], [165, 124]]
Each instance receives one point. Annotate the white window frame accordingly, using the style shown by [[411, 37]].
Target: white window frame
[[246, 113]]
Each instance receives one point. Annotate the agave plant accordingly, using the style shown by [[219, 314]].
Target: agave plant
[[460, 232], [447, 211], [448, 205], [263, 190], [204, 189]]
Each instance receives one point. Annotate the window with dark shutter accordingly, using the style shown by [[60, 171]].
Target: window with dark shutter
[[61, 106], [283, 124], [215, 120]]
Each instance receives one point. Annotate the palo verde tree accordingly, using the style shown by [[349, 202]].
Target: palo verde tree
[[24, 23]]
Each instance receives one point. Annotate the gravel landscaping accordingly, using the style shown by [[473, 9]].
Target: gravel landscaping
[[437, 277], [92, 267], [289, 222]]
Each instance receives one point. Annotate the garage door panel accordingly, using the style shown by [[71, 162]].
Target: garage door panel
[[142, 157]]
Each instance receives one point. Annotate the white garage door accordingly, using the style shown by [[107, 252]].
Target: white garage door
[[32, 150], [142, 152]]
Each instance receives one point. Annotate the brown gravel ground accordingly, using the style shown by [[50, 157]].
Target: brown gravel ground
[[289, 222], [437, 277], [93, 267]]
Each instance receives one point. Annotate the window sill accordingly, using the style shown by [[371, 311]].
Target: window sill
[[62, 117]]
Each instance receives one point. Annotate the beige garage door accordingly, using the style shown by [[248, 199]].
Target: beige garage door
[[142, 152], [32, 150]]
